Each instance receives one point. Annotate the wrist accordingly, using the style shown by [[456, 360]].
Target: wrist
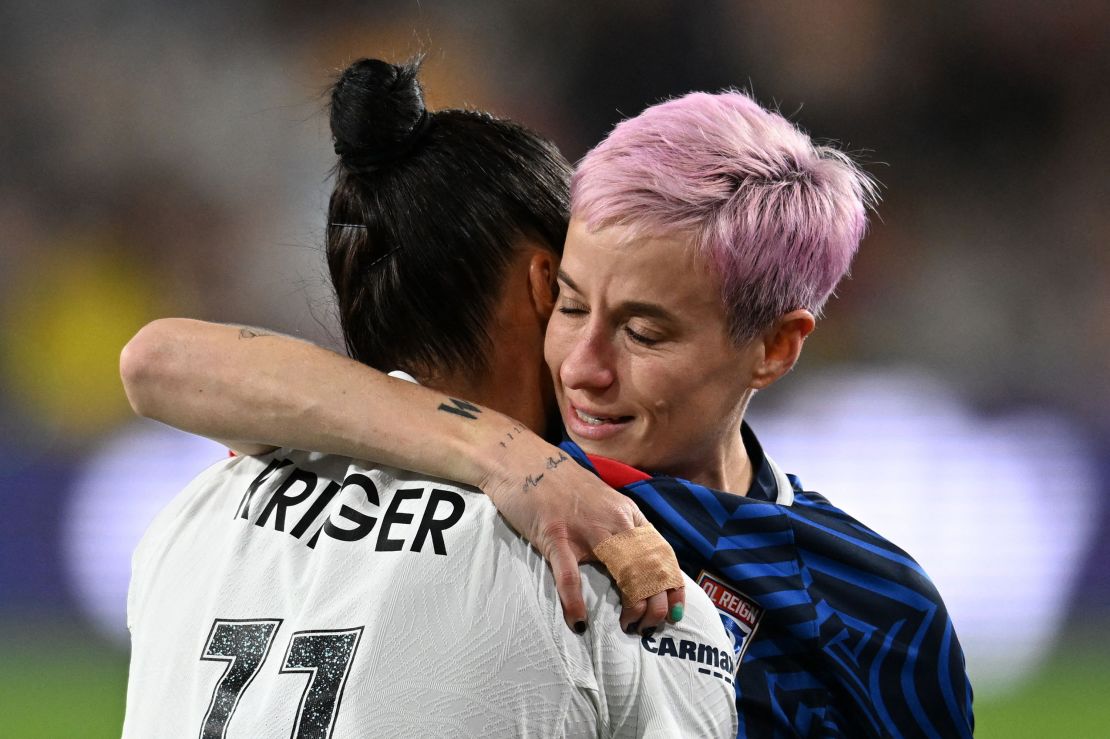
[[492, 449]]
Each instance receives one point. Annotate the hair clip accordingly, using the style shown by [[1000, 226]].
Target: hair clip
[[347, 225], [388, 254]]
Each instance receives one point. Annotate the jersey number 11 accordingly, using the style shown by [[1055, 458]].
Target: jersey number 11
[[244, 646]]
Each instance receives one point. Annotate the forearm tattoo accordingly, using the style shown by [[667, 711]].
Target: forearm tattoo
[[517, 428], [468, 410], [553, 462], [532, 481], [250, 333], [461, 408]]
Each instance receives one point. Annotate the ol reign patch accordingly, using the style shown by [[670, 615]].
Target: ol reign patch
[[738, 613]]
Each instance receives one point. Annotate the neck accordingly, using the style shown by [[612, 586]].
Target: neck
[[728, 469], [506, 389], [517, 382], [732, 474]]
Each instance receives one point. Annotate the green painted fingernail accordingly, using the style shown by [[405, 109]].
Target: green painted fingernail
[[677, 612]]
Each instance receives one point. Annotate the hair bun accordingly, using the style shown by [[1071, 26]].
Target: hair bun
[[377, 112]]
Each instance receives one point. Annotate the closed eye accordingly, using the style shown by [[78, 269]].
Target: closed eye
[[570, 307], [640, 338]]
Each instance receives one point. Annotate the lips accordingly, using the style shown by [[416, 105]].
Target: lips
[[597, 420], [594, 425]]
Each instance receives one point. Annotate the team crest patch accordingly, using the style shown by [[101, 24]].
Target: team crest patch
[[739, 613]]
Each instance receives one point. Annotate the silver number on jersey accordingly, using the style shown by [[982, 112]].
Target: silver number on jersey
[[326, 655], [243, 645]]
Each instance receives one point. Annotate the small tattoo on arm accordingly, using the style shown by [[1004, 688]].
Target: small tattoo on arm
[[250, 333], [509, 435], [461, 408], [530, 482], [552, 462]]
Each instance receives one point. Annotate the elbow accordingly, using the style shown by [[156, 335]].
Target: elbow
[[144, 365]]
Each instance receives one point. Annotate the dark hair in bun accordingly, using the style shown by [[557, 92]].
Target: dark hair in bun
[[377, 113], [427, 211]]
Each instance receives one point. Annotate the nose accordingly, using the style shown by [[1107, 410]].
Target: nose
[[590, 363]]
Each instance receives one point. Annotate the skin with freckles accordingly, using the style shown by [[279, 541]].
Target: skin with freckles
[[644, 368]]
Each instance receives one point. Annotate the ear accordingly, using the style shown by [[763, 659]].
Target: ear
[[781, 347], [543, 265]]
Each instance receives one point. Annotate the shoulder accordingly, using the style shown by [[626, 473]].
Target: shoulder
[[821, 528], [858, 574], [881, 614], [676, 682], [208, 480]]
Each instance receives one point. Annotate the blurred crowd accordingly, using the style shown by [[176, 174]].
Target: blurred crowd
[[173, 159]]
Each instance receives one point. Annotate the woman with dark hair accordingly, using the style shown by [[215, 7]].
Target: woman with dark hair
[[453, 192], [407, 600], [427, 211], [706, 235]]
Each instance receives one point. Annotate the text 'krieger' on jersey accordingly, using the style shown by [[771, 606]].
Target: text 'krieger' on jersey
[[438, 510]]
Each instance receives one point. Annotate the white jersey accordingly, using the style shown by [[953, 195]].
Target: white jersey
[[303, 595]]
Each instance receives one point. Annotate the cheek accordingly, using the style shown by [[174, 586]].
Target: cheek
[[663, 389], [684, 390]]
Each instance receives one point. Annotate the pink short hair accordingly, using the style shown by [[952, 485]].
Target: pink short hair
[[776, 216]]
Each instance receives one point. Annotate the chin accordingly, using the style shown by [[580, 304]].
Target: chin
[[608, 449], [593, 447]]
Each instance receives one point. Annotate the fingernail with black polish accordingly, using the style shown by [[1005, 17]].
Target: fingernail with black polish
[[579, 627], [632, 627], [648, 632]]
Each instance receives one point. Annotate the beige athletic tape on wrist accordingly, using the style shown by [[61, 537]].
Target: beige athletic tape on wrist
[[641, 562]]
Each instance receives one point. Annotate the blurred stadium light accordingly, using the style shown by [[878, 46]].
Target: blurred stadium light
[[116, 495]]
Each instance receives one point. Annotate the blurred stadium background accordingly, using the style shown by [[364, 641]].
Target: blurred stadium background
[[168, 159]]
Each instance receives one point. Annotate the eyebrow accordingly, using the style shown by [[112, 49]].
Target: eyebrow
[[564, 277], [634, 307]]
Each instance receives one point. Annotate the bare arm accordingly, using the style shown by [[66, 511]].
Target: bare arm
[[266, 390]]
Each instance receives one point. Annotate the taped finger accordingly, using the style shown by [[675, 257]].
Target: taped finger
[[641, 562]]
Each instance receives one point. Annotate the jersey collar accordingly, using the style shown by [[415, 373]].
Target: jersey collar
[[769, 484]]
